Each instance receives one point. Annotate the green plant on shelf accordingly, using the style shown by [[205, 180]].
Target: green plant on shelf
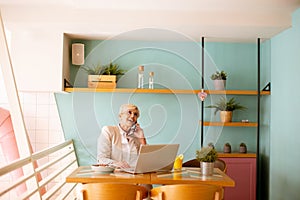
[[219, 75], [95, 70], [224, 105], [109, 69], [243, 144]]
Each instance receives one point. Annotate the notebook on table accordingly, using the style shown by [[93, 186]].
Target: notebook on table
[[155, 157]]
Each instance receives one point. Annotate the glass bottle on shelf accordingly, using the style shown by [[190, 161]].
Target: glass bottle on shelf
[[141, 77], [151, 80]]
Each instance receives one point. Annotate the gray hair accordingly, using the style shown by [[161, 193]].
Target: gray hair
[[125, 107]]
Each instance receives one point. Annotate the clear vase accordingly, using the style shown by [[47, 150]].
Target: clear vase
[[151, 80], [141, 77]]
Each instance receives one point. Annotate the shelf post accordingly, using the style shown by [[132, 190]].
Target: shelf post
[[258, 123], [202, 85]]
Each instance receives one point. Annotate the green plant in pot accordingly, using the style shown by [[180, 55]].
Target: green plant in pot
[[104, 76], [95, 70], [207, 157], [227, 148], [113, 69], [219, 78], [243, 148], [226, 108]]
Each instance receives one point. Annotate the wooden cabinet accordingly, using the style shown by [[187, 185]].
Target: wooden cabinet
[[243, 171]]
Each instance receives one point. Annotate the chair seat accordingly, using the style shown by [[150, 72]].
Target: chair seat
[[186, 192], [108, 191]]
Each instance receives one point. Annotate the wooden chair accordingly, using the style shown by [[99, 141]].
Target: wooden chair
[[186, 192], [108, 191], [191, 163], [219, 163]]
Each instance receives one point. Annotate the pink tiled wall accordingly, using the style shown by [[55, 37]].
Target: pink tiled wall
[[41, 121], [41, 118]]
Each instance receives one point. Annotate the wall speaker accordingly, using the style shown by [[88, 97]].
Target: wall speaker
[[77, 54]]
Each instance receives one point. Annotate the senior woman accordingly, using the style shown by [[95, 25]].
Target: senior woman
[[119, 145]]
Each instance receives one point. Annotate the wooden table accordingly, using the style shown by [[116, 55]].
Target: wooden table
[[191, 175], [85, 174]]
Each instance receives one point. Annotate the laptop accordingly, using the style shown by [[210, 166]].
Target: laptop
[[154, 157]]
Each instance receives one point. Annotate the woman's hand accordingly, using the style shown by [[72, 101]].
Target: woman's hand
[[121, 164], [139, 134]]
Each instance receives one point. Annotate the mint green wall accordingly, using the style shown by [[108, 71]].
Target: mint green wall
[[179, 61], [279, 177], [239, 60], [166, 118], [285, 137]]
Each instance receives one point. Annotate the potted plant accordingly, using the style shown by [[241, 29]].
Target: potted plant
[[211, 145], [219, 78], [113, 69], [227, 148], [226, 108], [104, 76], [243, 148], [207, 157]]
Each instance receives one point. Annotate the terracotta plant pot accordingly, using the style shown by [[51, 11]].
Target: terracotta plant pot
[[226, 116]]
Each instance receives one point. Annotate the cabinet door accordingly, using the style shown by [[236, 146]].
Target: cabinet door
[[243, 172]]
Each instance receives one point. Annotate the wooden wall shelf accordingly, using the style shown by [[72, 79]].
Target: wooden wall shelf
[[132, 90], [236, 92], [236, 124], [167, 91]]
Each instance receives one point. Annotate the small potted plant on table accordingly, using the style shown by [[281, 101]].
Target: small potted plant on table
[[226, 108], [207, 157]]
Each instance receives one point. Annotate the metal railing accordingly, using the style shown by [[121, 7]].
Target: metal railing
[[41, 175]]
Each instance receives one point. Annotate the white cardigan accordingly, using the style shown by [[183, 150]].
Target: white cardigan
[[114, 146]]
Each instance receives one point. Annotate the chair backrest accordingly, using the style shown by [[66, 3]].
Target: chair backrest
[[219, 163], [191, 163], [108, 191], [186, 192]]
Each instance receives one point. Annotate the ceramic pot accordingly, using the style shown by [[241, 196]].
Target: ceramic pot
[[243, 149], [227, 148], [207, 168], [220, 84], [226, 116]]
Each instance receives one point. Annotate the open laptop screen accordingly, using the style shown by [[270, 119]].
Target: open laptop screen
[[155, 157]]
